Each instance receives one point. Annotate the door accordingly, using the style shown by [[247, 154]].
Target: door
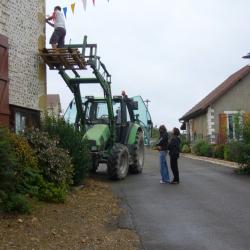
[[4, 82]]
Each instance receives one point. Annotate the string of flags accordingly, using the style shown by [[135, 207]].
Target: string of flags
[[73, 5]]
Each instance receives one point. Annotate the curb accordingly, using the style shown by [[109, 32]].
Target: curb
[[212, 160]]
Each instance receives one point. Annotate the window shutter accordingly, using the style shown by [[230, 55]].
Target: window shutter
[[4, 84], [222, 128], [246, 117]]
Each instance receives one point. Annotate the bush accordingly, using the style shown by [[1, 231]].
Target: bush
[[54, 162], [14, 202], [202, 148], [20, 176], [71, 140], [206, 150], [184, 141], [49, 192], [10, 169], [218, 151], [185, 149], [246, 132], [233, 151]]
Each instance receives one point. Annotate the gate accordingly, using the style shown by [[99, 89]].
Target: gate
[[4, 82]]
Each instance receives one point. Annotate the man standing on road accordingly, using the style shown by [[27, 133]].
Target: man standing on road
[[58, 36], [162, 146]]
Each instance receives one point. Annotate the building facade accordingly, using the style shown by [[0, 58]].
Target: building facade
[[54, 108], [218, 116], [22, 72]]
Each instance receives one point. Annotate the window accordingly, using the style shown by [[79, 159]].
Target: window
[[234, 125], [23, 119]]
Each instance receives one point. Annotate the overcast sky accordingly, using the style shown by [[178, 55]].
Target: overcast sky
[[170, 52]]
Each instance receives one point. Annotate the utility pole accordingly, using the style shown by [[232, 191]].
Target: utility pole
[[147, 101]]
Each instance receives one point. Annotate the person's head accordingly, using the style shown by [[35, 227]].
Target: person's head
[[57, 8], [162, 129], [176, 131]]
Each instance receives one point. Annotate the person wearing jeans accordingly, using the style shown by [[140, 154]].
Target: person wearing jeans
[[162, 146]]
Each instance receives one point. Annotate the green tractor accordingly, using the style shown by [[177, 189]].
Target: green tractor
[[115, 127]]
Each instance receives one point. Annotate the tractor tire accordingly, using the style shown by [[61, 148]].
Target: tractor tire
[[137, 155], [118, 162]]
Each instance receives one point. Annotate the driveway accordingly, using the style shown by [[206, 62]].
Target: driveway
[[209, 209]]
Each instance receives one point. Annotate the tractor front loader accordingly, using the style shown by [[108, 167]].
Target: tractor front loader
[[113, 126]]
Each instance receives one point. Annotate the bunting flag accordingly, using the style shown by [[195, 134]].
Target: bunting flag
[[65, 11], [73, 7], [84, 4]]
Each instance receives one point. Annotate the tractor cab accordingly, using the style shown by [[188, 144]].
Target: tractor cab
[[127, 111]]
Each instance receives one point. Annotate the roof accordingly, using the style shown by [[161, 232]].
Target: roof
[[213, 96], [53, 100]]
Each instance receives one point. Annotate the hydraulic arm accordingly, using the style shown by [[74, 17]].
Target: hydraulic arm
[[71, 59]]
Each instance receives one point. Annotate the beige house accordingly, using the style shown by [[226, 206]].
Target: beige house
[[53, 105], [214, 118], [22, 72]]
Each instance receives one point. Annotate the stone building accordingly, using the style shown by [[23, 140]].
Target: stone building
[[22, 72]]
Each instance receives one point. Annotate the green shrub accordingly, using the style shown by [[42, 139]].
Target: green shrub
[[233, 150], [246, 132], [10, 199], [206, 150], [202, 148], [184, 140], [218, 151], [71, 140], [185, 149], [14, 202], [54, 162], [49, 192]]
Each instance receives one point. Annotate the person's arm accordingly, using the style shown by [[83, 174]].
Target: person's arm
[[49, 23], [51, 18]]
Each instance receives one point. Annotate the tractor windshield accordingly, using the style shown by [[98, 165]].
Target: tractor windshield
[[143, 117], [96, 111]]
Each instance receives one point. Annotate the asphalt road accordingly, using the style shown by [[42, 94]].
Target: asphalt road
[[209, 209]]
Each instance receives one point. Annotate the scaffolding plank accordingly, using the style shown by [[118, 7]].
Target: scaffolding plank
[[64, 58]]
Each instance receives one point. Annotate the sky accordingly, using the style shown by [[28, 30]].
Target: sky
[[172, 53]]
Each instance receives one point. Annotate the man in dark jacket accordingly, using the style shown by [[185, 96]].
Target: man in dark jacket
[[162, 146], [174, 152]]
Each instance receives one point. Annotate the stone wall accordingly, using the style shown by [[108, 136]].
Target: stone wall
[[22, 21]]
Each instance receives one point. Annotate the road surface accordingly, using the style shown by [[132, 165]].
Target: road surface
[[209, 209]]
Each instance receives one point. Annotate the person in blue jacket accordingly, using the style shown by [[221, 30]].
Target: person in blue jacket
[[162, 146]]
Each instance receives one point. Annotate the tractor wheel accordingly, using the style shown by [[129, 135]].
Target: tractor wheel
[[118, 162], [137, 155]]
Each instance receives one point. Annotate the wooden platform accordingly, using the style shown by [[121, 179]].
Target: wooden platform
[[63, 58]]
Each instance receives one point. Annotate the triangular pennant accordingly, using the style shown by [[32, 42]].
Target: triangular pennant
[[93, 2], [73, 7], [84, 4], [65, 11]]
